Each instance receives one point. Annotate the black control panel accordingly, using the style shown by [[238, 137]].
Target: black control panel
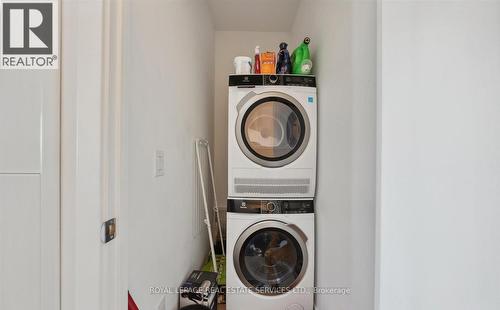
[[270, 206], [252, 80]]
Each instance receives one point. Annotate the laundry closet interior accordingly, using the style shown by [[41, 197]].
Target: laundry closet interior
[[177, 58]]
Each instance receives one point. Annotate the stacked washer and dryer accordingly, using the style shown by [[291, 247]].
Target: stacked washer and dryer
[[271, 184]]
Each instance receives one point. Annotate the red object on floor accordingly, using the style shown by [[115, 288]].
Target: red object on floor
[[131, 303]]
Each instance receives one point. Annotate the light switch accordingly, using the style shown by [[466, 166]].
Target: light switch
[[159, 163]]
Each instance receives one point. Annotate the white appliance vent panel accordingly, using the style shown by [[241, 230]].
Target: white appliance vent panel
[[271, 186]]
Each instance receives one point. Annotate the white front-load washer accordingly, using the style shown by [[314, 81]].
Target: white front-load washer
[[270, 249], [272, 125]]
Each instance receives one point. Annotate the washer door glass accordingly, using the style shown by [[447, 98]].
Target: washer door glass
[[271, 261], [273, 131]]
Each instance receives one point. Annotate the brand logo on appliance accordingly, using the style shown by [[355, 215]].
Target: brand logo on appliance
[[29, 34]]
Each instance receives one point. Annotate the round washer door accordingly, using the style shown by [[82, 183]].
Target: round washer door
[[270, 257], [272, 129]]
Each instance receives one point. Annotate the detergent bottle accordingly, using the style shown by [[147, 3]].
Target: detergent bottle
[[268, 63], [284, 65], [301, 58]]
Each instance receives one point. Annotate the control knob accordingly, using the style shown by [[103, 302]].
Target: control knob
[[271, 207]]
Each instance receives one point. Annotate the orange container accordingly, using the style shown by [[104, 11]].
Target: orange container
[[268, 63]]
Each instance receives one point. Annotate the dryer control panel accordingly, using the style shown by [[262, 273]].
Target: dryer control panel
[[252, 80], [270, 206]]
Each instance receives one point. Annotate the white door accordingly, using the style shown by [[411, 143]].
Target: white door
[[29, 190]]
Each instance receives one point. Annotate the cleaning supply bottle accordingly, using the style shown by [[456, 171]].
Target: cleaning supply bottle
[[301, 58], [256, 66], [284, 65], [268, 63]]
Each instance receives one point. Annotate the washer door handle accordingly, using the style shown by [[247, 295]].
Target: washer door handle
[[298, 230]]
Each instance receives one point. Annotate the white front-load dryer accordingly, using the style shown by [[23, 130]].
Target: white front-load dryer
[[270, 255], [272, 136]]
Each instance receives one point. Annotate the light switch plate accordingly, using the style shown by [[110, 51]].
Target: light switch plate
[[159, 163]]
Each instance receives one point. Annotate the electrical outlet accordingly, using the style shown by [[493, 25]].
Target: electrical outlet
[[159, 168]]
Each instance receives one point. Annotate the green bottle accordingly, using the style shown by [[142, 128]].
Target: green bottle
[[301, 58]]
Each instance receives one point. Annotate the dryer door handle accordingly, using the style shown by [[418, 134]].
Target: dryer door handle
[[298, 230]]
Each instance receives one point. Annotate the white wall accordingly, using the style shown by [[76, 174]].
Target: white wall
[[168, 91], [343, 43], [440, 155], [258, 15], [229, 44]]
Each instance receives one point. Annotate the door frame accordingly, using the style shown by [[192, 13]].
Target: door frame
[[93, 274]]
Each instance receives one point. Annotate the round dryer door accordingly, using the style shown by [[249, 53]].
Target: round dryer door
[[272, 129], [270, 257]]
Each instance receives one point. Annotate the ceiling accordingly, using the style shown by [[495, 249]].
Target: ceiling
[[254, 15]]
